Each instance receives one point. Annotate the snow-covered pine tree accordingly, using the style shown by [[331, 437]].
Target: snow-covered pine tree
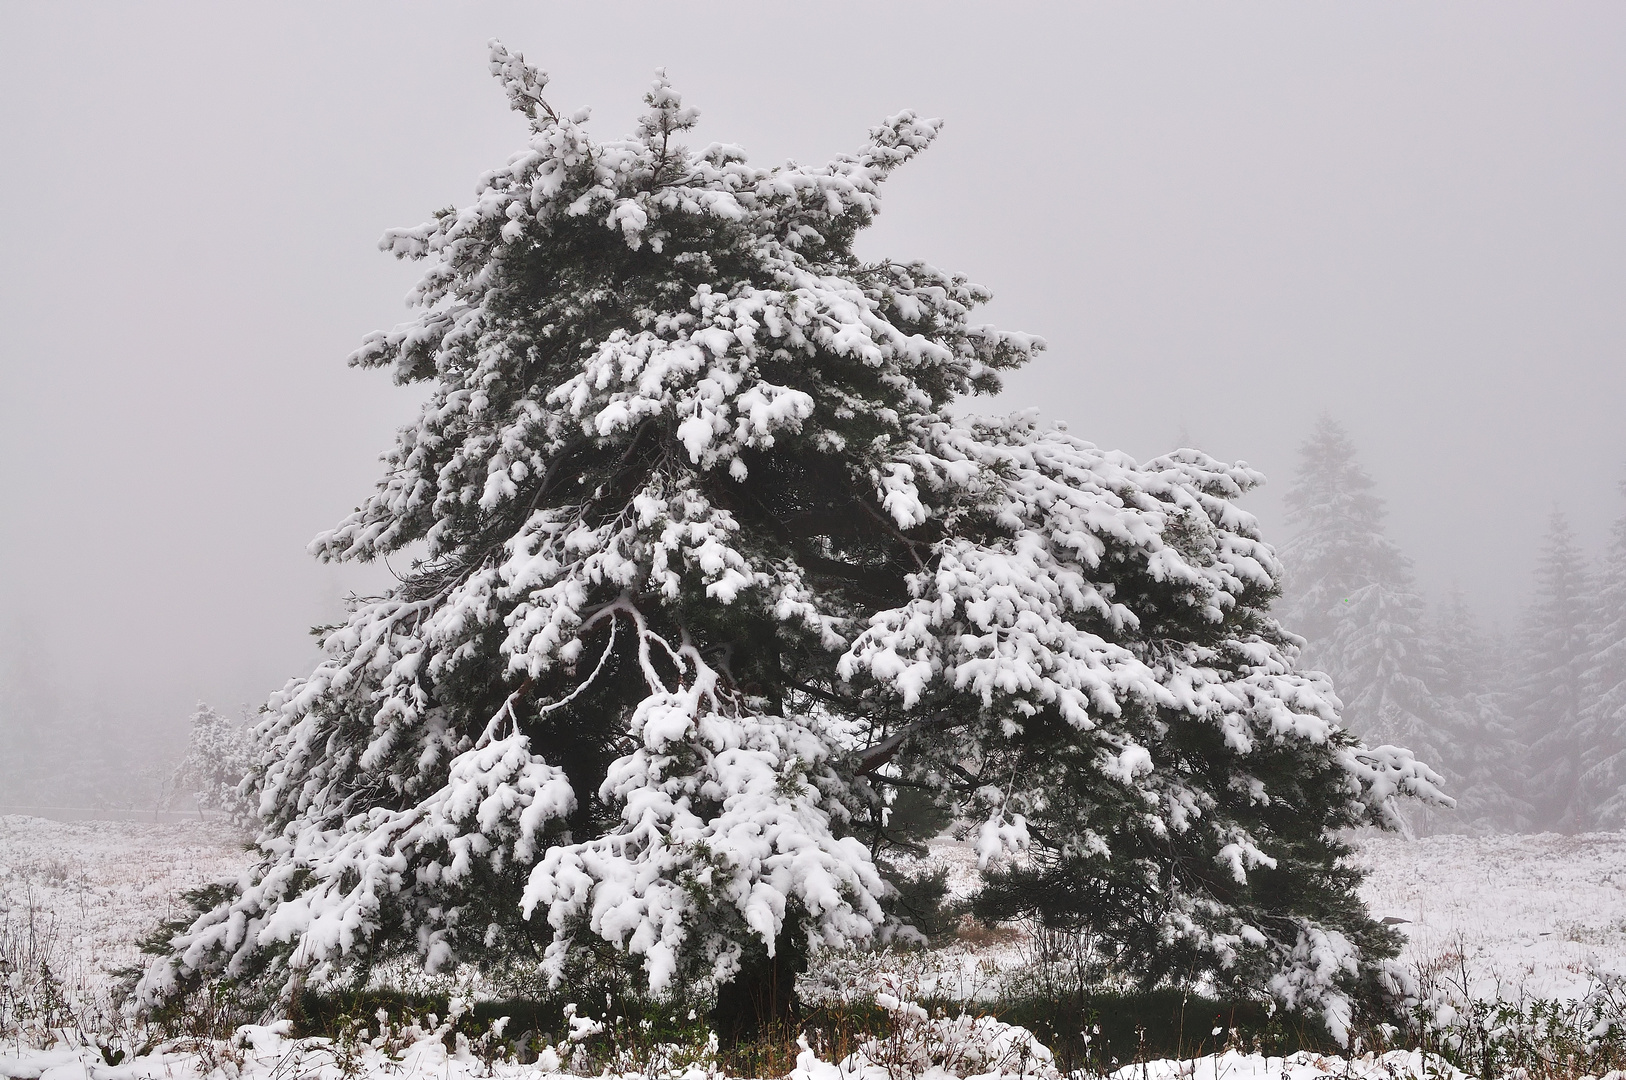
[[220, 755], [706, 560], [1480, 753], [1339, 545], [1552, 657], [1602, 788], [1351, 594]]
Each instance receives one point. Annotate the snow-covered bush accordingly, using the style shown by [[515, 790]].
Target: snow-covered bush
[[43, 989], [33, 1000], [922, 1045], [1532, 1038]]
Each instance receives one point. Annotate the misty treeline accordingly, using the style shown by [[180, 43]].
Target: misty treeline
[[1528, 726], [64, 743], [60, 753]]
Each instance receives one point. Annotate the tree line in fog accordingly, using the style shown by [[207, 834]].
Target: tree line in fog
[[1528, 726]]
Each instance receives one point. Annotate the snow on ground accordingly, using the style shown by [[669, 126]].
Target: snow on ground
[[1525, 916], [91, 889], [265, 1053], [1532, 916], [1529, 916]]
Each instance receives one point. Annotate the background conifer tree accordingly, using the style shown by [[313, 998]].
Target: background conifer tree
[[1352, 595], [1339, 545], [1602, 788], [1480, 753], [706, 561], [220, 755], [1553, 652]]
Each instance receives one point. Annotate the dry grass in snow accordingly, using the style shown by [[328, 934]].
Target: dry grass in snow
[[81, 894], [1516, 917]]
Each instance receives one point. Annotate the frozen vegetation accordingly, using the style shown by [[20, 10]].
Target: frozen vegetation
[[78, 895], [1514, 918], [714, 602], [1537, 916]]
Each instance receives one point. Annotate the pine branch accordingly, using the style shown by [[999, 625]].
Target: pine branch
[[885, 750]]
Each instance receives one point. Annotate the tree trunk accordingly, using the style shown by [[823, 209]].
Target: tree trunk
[[762, 995]]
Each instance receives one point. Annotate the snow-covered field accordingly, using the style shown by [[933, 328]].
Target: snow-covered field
[[265, 1053], [1523, 916], [1531, 916], [81, 894]]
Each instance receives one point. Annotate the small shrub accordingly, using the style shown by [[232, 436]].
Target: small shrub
[[1541, 1039], [976, 934]]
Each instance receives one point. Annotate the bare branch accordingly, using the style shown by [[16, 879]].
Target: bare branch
[[885, 750]]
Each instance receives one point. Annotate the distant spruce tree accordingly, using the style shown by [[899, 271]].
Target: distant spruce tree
[[1602, 786], [1552, 658], [1352, 596], [1339, 544], [1480, 753], [708, 562]]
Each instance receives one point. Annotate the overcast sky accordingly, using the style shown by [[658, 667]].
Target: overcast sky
[[1226, 219]]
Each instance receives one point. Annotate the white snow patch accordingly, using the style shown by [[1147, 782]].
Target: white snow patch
[[1526, 916], [98, 887]]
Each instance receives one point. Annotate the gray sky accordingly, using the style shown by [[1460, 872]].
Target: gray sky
[[1225, 219]]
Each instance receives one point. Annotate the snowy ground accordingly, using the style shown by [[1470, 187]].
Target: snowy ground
[[1523, 916], [1531, 916], [265, 1054], [87, 891]]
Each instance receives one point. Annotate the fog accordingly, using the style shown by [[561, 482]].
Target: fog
[[1225, 220]]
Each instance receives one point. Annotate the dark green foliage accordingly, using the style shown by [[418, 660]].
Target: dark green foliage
[[714, 573], [1133, 1026], [1123, 898], [922, 901], [1162, 1023], [762, 997]]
